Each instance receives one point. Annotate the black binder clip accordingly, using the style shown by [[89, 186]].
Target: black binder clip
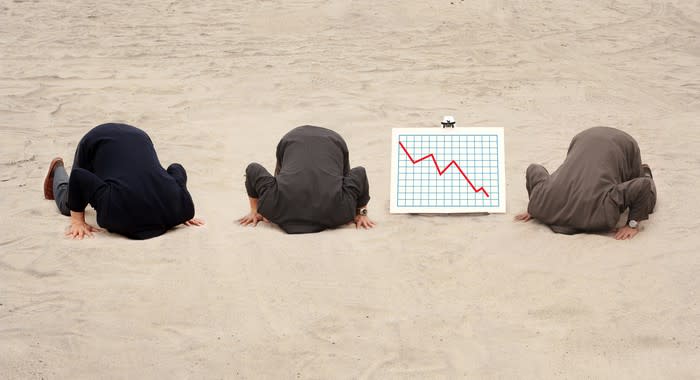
[[448, 122]]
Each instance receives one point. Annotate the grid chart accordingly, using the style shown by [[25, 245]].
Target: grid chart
[[455, 171]]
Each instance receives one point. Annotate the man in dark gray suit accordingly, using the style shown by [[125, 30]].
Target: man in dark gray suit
[[313, 188]]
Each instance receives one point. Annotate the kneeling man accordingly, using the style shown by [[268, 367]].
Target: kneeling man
[[602, 176], [313, 188], [116, 171]]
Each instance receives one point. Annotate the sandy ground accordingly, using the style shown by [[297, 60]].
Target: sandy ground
[[217, 83]]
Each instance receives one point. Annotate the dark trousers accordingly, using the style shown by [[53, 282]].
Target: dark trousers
[[60, 183], [60, 189]]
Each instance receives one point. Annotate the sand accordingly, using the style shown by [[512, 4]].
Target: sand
[[217, 83]]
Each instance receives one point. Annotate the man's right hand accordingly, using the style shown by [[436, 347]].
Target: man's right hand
[[78, 230], [524, 217], [252, 218]]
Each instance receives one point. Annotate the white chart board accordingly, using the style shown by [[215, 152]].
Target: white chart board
[[448, 170]]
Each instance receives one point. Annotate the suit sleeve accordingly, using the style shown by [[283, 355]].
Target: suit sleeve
[[279, 154], [346, 162], [346, 156], [357, 185], [179, 173], [639, 195], [257, 180], [83, 186], [84, 153], [535, 175]]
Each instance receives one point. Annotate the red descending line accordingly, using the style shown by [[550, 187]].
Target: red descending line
[[441, 172]]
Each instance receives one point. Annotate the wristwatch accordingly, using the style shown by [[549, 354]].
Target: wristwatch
[[362, 211], [633, 223]]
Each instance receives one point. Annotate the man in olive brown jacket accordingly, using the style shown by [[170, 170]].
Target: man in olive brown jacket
[[602, 176]]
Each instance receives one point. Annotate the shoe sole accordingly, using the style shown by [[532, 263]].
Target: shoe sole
[[48, 181]]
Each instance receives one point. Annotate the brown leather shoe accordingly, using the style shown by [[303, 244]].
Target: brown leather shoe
[[48, 181]]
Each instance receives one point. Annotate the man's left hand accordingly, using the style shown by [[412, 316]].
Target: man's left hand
[[194, 222], [625, 233], [363, 221]]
